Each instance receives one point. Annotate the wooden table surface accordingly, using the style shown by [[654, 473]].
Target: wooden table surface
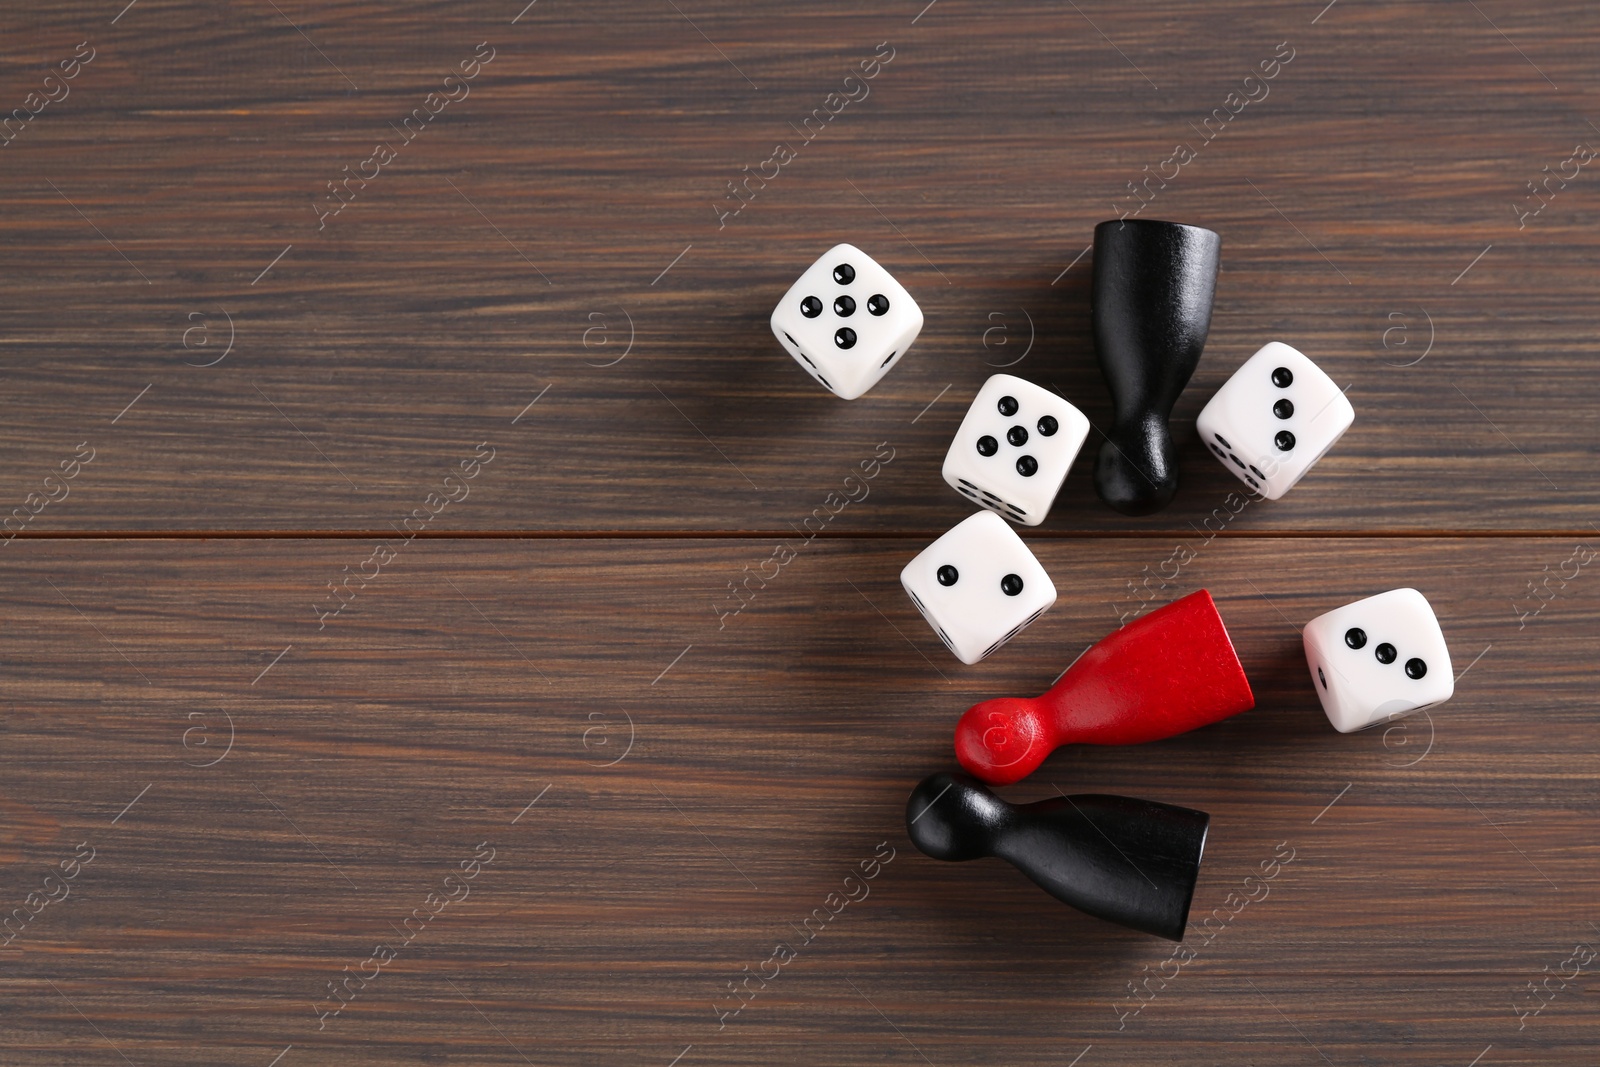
[[537, 789]]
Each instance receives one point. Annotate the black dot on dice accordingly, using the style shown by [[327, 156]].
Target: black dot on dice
[[1283, 377], [947, 575], [1284, 440], [1007, 405], [844, 274], [1415, 668], [845, 337], [1048, 425], [1011, 585], [846, 306], [1355, 637], [810, 307], [1221, 440], [1283, 409], [1385, 653], [1017, 436], [878, 304], [1027, 466], [987, 446]]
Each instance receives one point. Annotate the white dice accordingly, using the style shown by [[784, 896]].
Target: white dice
[[978, 586], [1378, 659], [1274, 418], [1014, 448], [846, 321]]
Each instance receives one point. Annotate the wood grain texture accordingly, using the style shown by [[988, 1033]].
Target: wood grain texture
[[1437, 867], [536, 293], [525, 236]]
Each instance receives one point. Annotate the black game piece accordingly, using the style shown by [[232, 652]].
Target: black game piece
[[1132, 862], [1153, 285]]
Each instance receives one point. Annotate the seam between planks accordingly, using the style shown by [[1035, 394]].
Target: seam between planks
[[744, 535]]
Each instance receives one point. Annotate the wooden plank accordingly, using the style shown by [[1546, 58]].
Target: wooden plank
[[483, 692], [1368, 204]]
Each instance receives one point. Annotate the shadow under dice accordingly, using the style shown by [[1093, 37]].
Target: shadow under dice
[[846, 321], [1274, 419], [1378, 659], [978, 586], [1014, 448]]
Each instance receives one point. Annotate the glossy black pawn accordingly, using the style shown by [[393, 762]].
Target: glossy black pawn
[[1132, 862], [1153, 286]]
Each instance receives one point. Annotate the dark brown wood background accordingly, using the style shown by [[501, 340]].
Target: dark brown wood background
[[670, 793]]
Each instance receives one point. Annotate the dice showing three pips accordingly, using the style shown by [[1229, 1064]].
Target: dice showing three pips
[[1274, 418], [1378, 659], [847, 321]]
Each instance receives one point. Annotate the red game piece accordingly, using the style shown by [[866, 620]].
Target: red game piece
[[1165, 674]]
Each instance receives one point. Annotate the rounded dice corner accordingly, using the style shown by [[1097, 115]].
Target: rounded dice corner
[[845, 248], [853, 392], [971, 659], [1280, 350]]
